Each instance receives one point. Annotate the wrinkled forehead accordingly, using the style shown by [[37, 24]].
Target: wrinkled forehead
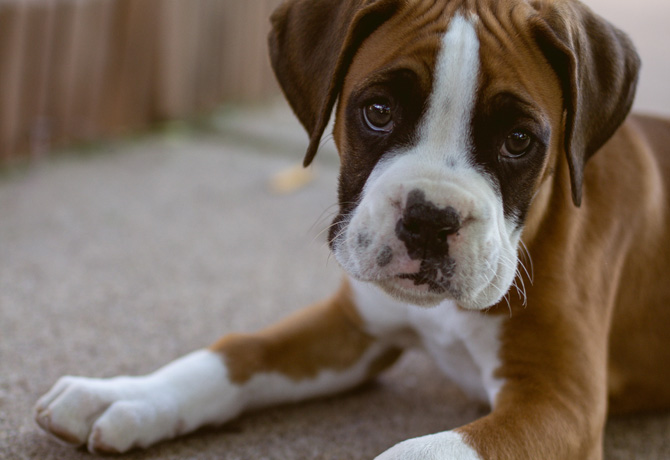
[[410, 40], [509, 61]]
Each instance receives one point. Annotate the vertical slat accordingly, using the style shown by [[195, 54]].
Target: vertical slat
[[246, 71], [244, 42], [12, 73], [90, 43], [76, 73], [127, 96], [253, 59], [177, 59], [79, 41], [110, 97], [248, 60], [235, 49], [166, 66], [209, 62], [27, 86], [140, 49], [101, 23], [25, 101], [270, 86], [218, 15], [40, 32], [61, 70], [13, 20]]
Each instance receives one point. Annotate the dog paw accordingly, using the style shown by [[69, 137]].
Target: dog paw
[[116, 415], [110, 416], [448, 445]]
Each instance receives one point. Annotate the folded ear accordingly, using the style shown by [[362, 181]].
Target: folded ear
[[312, 43], [598, 68]]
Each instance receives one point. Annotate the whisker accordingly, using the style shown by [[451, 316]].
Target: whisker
[[326, 229], [337, 236], [509, 305], [524, 298], [323, 216], [326, 214], [526, 254], [325, 139]]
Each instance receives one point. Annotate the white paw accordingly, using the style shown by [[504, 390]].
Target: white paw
[[448, 445], [112, 415], [116, 415]]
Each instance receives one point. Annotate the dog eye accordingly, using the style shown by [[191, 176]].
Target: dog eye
[[516, 144], [379, 116]]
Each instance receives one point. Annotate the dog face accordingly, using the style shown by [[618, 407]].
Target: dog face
[[445, 165], [450, 118]]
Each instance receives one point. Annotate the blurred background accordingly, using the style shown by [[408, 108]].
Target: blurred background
[[81, 70], [75, 71]]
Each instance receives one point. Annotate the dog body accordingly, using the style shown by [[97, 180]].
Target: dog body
[[464, 130]]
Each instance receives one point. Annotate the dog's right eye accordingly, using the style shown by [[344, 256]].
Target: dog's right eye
[[379, 116]]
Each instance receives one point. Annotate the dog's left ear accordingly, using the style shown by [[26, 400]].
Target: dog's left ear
[[598, 68], [312, 43]]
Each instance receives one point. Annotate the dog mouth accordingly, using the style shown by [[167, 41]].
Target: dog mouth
[[434, 276], [417, 289], [422, 280]]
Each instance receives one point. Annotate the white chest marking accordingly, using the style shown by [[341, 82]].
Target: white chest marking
[[464, 344]]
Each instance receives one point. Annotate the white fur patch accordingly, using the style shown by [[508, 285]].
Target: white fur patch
[[448, 445], [118, 414], [464, 344]]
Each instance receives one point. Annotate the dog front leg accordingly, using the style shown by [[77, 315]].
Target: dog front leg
[[552, 405], [318, 351]]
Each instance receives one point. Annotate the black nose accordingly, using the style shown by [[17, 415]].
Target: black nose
[[424, 227]]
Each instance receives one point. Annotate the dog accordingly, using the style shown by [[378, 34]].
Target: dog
[[484, 145]]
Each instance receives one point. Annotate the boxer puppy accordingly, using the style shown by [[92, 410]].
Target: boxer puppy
[[468, 133]]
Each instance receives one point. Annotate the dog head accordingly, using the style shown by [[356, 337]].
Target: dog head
[[451, 115]]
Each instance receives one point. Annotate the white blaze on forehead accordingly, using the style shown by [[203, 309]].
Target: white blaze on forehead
[[445, 130]]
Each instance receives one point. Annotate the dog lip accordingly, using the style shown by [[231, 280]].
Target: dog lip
[[418, 277], [407, 291], [434, 285], [437, 275]]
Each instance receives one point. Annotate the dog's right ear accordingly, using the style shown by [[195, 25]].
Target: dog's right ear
[[312, 43]]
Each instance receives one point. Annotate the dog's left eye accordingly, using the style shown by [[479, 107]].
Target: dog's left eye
[[516, 144], [379, 116]]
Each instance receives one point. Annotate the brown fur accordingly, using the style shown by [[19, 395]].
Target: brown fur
[[327, 336]]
